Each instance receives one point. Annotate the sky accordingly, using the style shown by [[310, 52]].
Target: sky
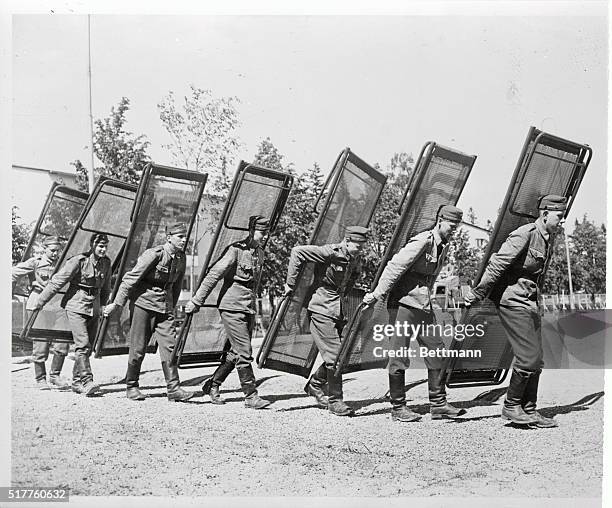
[[317, 84]]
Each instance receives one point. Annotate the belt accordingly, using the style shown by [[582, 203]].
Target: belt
[[90, 290]]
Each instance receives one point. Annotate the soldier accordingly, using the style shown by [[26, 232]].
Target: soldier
[[153, 287], [408, 279], [512, 280], [337, 267], [240, 269], [89, 275], [39, 270]]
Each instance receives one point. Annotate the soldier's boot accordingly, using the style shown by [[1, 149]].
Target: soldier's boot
[[132, 375], [247, 381], [530, 398], [175, 392], [397, 396], [438, 406], [212, 384], [40, 375], [77, 384], [512, 409], [55, 377], [336, 404], [89, 387], [316, 385]]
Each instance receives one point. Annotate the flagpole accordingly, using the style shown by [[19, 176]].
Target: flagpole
[[90, 172]]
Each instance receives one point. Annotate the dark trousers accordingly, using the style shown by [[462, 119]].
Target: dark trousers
[[84, 330], [239, 327], [145, 323], [326, 333], [410, 315], [524, 330]]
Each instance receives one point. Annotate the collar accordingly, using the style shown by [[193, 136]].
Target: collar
[[542, 228], [168, 250], [92, 259], [345, 251], [437, 238]]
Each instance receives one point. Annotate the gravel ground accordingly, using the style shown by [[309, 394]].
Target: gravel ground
[[110, 446]]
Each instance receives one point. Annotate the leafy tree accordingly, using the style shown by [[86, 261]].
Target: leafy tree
[[202, 129], [122, 154], [588, 256], [385, 218], [463, 259], [556, 280], [21, 235], [295, 225]]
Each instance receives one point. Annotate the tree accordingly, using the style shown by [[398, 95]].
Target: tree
[[202, 129], [123, 156], [21, 235], [295, 224], [463, 259], [588, 256], [385, 218], [556, 280]]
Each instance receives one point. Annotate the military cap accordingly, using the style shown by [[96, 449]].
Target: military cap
[[178, 228], [357, 233], [97, 238], [258, 223], [553, 202], [51, 240], [451, 213]]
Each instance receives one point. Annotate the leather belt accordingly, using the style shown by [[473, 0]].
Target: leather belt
[[90, 290]]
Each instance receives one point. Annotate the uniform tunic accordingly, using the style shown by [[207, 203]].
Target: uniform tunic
[[408, 279], [38, 271], [335, 274], [512, 280], [153, 286], [89, 285], [240, 269]]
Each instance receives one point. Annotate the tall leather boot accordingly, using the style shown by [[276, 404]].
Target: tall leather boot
[[40, 375], [89, 387], [132, 375], [438, 406], [397, 395], [316, 384], [55, 377], [530, 398], [247, 381], [175, 392], [336, 404], [212, 384], [77, 384], [512, 409]]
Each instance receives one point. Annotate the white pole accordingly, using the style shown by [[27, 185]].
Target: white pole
[[569, 273], [90, 172]]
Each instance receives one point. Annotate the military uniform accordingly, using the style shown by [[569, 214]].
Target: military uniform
[[335, 273], [408, 279], [512, 280], [39, 271], [89, 280], [154, 286], [240, 269]]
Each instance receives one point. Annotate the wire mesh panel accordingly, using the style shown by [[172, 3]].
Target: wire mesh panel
[[439, 178], [547, 165], [255, 191], [106, 211], [58, 217], [165, 196], [353, 191]]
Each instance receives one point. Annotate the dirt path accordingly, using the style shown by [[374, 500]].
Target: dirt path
[[112, 446]]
